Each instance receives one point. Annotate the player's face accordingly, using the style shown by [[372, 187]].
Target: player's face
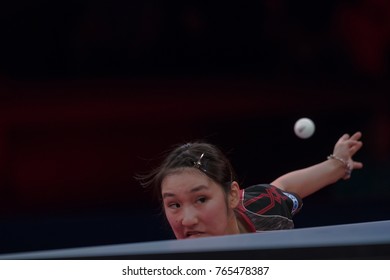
[[196, 206]]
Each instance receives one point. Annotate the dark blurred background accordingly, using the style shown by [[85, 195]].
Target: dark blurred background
[[93, 92]]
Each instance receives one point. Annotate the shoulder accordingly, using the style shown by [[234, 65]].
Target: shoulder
[[260, 189], [263, 198], [266, 188]]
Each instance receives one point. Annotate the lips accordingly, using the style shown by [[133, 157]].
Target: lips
[[193, 234]]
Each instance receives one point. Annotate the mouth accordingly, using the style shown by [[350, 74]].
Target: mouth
[[194, 234]]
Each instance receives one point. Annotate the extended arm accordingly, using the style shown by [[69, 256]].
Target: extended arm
[[311, 179]]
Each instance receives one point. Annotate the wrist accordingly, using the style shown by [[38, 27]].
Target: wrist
[[346, 164]]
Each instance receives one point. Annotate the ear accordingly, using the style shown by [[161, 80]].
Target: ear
[[234, 195]]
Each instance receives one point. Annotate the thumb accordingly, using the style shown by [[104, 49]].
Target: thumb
[[343, 138]]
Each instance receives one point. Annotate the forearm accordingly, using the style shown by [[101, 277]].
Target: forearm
[[311, 179]]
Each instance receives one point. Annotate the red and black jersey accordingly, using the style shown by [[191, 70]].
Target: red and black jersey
[[266, 207]]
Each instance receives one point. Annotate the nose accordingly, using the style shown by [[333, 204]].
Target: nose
[[189, 217]]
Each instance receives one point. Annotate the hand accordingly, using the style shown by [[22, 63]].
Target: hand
[[345, 148]]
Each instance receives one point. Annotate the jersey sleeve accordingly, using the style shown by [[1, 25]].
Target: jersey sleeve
[[269, 208]]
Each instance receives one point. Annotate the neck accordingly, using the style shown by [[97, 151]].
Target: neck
[[234, 225]]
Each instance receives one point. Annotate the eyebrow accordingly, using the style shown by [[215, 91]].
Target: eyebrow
[[193, 190]]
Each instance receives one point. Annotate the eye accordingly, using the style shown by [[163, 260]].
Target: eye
[[201, 200], [174, 205]]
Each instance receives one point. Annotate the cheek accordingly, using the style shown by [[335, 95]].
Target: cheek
[[175, 225], [172, 219], [217, 216]]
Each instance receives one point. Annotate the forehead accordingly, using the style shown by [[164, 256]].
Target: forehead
[[185, 179]]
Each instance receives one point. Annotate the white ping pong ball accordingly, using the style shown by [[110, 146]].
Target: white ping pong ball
[[304, 128]]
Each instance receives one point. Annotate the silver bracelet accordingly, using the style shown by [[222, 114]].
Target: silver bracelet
[[347, 165]]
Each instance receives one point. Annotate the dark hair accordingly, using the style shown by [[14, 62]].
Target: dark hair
[[206, 157]]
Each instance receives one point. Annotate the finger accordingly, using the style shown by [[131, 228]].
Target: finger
[[352, 144], [354, 148], [357, 165], [356, 136], [343, 138]]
